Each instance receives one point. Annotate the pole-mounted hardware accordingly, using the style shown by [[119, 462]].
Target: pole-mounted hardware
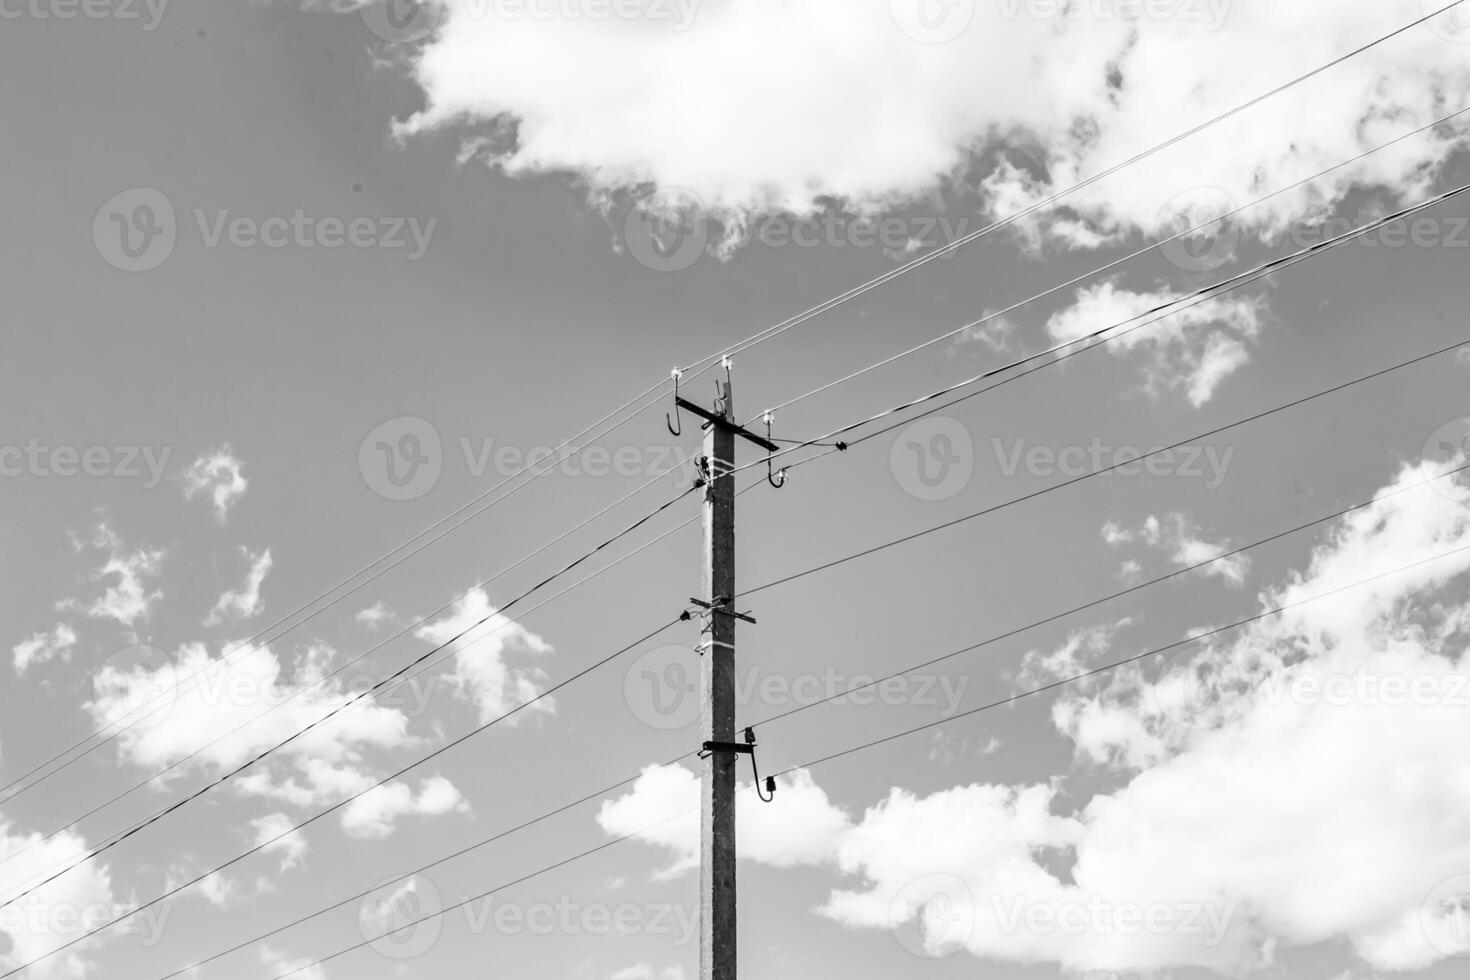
[[778, 478], [677, 430], [744, 748]]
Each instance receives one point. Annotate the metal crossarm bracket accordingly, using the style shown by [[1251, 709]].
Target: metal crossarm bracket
[[712, 419], [718, 606], [710, 747]]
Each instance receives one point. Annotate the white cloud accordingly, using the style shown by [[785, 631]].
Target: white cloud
[[376, 615], [291, 847], [375, 814], [483, 672], [1370, 787], [1193, 350], [42, 648], [1180, 539], [277, 963], [646, 971], [802, 830], [128, 598], [244, 602], [198, 699], [842, 103], [216, 475], [55, 913]]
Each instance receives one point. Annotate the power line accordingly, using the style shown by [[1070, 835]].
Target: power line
[[1032, 692], [867, 745], [251, 643], [1177, 573], [337, 806], [958, 243], [372, 691], [1107, 469], [1160, 312], [177, 691], [928, 663], [1113, 264]]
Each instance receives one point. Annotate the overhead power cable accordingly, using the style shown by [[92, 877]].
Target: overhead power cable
[[370, 692], [1106, 469], [1185, 233]]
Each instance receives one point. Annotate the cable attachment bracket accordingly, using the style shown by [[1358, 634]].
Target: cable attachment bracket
[[744, 748], [777, 478], [675, 423], [721, 605]]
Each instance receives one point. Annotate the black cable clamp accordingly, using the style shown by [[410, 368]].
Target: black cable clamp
[[746, 748]]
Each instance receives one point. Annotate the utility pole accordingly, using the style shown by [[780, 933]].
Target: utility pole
[[717, 945]]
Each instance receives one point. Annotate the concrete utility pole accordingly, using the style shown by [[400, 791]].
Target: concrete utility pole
[[717, 684]]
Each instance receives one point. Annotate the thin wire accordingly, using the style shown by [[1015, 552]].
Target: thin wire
[[1157, 651], [249, 644], [1059, 195], [1116, 595], [177, 691], [1107, 469], [372, 691], [337, 806], [1111, 265], [1160, 312]]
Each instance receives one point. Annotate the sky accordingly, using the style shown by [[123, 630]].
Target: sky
[[289, 283]]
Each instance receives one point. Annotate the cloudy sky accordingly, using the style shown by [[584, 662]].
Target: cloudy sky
[[290, 283]]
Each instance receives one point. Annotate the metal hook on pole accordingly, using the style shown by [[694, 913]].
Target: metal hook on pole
[[776, 478], [676, 374]]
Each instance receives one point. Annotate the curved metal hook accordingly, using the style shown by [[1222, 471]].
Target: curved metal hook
[[770, 782], [679, 430], [776, 478]]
